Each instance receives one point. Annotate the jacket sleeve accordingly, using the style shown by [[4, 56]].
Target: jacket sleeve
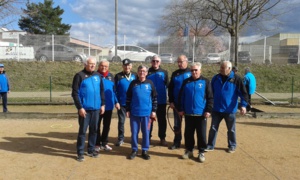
[[154, 97], [102, 94], [181, 97], [170, 90], [209, 97], [75, 91], [129, 97], [242, 92]]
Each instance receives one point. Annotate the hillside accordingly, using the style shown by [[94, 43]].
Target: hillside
[[35, 76]]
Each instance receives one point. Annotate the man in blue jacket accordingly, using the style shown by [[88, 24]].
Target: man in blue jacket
[[89, 99], [122, 81], [160, 79], [196, 101], [141, 104], [177, 79], [4, 87], [250, 83], [227, 87], [110, 102]]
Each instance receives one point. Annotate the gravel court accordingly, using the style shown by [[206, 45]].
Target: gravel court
[[35, 149]]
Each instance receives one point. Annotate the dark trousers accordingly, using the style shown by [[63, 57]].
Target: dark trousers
[[3, 95], [248, 108], [192, 124], [162, 121], [177, 128], [121, 122], [90, 121], [102, 138]]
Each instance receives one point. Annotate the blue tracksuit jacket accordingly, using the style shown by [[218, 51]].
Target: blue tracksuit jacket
[[122, 83], [195, 96], [109, 91], [177, 79], [226, 93], [88, 90], [160, 80], [141, 98]]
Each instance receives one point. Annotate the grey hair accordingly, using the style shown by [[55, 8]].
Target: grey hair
[[198, 64], [90, 58], [157, 57], [103, 61], [228, 63], [141, 67]]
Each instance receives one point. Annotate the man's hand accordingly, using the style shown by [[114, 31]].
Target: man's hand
[[117, 106], [172, 106], [207, 114], [82, 112], [128, 114], [181, 113], [243, 111], [102, 109]]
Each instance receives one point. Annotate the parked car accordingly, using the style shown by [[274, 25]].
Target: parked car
[[212, 58], [244, 57], [134, 53], [293, 58], [167, 58], [61, 53]]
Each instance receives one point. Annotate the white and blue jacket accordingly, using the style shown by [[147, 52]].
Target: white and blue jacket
[[160, 80]]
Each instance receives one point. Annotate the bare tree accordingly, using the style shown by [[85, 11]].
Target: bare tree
[[9, 9], [218, 15]]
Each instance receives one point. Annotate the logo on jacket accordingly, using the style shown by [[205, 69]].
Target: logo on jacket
[[147, 86], [200, 85], [95, 78]]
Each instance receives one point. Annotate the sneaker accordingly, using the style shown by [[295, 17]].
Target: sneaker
[[119, 143], [163, 142], [107, 147], [209, 149], [80, 158], [97, 148], [94, 154], [231, 149], [201, 157], [187, 155], [145, 155], [132, 155], [174, 146]]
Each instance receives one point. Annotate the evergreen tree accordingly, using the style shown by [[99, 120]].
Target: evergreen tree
[[43, 18]]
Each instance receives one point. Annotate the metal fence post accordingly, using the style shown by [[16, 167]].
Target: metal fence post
[[292, 98], [50, 88]]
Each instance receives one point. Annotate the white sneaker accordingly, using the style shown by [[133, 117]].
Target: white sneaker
[[107, 147], [201, 157], [187, 155], [97, 148]]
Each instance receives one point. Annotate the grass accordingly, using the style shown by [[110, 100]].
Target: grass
[[36, 76]]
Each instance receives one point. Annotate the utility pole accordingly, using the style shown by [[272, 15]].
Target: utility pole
[[236, 33], [116, 29]]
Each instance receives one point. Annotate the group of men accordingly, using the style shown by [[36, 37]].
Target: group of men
[[143, 97]]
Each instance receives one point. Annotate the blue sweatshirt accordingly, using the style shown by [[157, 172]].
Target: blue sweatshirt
[[4, 82], [226, 91], [250, 82], [141, 98], [160, 80], [195, 96]]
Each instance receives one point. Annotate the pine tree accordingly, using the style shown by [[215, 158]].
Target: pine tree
[[43, 18]]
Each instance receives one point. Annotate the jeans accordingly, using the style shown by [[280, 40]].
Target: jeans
[[91, 121], [192, 124], [121, 122], [137, 123], [4, 101], [230, 123], [161, 120], [102, 138], [177, 129]]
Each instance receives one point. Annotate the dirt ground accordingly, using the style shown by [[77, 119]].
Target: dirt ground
[[46, 149]]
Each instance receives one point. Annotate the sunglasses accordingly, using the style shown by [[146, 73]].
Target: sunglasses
[[192, 70], [155, 61]]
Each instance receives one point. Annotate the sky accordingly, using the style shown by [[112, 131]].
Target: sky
[[138, 20]]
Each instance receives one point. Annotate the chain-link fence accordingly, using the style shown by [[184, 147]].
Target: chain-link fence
[[280, 48]]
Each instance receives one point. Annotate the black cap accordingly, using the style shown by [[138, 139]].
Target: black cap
[[1, 65], [126, 61], [235, 68]]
